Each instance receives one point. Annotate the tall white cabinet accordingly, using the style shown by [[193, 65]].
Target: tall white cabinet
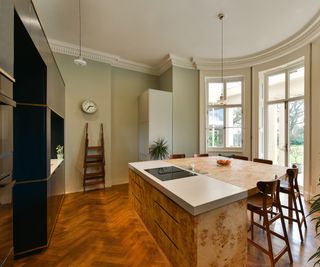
[[155, 120]]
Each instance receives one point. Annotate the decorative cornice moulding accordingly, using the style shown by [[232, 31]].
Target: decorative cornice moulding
[[302, 38], [305, 36], [113, 60]]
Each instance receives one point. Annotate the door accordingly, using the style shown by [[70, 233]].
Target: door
[[284, 118]]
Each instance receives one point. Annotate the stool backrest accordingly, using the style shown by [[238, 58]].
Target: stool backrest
[[240, 157], [177, 156], [265, 161], [201, 155], [270, 191], [293, 177]]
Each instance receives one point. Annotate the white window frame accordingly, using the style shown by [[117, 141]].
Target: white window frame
[[263, 150], [224, 106]]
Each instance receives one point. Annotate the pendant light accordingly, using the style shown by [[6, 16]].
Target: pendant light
[[221, 100], [79, 60]]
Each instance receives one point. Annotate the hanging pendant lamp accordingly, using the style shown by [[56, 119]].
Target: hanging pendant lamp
[[79, 60]]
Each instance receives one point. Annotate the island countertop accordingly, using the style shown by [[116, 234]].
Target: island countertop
[[196, 194]]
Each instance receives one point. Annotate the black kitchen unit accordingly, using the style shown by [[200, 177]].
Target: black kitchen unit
[[6, 132], [38, 127]]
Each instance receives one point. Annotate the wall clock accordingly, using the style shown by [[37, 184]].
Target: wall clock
[[88, 106]]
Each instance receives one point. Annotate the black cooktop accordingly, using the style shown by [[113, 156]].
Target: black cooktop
[[169, 173]]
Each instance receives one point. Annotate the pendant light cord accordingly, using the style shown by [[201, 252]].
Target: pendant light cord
[[80, 26], [221, 17], [222, 49]]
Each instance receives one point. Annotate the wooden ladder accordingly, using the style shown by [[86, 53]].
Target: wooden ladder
[[94, 162]]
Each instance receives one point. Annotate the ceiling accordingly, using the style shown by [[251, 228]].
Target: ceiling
[[146, 31]]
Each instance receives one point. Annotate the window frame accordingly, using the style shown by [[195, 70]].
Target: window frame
[[208, 106], [287, 69]]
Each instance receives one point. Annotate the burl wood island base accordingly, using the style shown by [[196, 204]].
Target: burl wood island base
[[213, 238]]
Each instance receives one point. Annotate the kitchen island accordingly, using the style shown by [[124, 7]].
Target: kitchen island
[[200, 220]]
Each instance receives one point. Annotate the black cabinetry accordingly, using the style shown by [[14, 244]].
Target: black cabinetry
[[38, 129], [6, 127]]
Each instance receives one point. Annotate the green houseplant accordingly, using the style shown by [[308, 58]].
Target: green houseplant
[[59, 150], [315, 210], [159, 149]]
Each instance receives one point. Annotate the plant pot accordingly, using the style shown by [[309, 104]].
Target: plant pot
[[59, 156]]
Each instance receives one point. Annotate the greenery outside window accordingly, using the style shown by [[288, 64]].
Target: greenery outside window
[[224, 121]]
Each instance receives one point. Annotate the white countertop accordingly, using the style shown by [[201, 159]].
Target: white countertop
[[54, 164], [195, 194]]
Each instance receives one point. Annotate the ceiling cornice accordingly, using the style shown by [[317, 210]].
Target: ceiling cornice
[[113, 60], [305, 36]]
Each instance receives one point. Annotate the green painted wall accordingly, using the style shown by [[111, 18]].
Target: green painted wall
[[90, 82], [127, 86], [185, 111], [165, 80], [116, 92]]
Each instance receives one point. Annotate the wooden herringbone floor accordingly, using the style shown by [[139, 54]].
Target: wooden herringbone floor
[[99, 228]]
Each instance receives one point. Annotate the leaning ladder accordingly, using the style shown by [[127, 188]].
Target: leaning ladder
[[94, 162]]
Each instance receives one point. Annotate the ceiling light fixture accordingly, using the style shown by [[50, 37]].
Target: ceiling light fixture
[[79, 60], [221, 100]]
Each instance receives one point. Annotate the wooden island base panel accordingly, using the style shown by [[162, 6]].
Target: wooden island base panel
[[217, 237]]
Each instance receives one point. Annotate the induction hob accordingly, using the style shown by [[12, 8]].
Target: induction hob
[[169, 173]]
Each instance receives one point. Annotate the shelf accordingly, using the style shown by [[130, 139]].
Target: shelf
[[54, 164]]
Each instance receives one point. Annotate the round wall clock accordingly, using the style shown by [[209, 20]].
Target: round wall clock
[[88, 106]]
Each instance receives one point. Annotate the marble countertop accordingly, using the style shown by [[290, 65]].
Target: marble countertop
[[54, 164], [241, 173], [196, 194]]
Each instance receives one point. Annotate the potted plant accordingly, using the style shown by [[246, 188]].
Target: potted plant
[[315, 210], [159, 149], [59, 150]]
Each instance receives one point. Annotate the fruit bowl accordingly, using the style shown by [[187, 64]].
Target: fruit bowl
[[223, 162]]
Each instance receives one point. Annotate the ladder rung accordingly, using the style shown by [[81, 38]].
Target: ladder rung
[[93, 182], [94, 174], [94, 147], [94, 164]]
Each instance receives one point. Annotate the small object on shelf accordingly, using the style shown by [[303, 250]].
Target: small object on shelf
[[223, 162], [89, 107], [59, 149]]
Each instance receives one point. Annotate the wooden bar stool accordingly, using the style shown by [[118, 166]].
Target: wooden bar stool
[[240, 157], [261, 204], [265, 161], [201, 155], [291, 188], [177, 156]]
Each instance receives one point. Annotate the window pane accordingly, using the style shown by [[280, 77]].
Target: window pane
[[276, 134], [216, 117], [215, 90], [296, 82], [234, 92], [215, 138], [233, 117], [233, 137], [276, 86]]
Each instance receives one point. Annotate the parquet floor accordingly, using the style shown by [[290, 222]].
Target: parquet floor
[[99, 228]]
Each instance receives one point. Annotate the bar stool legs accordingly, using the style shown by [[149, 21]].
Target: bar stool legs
[[261, 204]]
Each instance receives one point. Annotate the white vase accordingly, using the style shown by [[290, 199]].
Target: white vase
[[59, 156]]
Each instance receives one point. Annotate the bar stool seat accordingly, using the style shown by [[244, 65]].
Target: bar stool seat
[[262, 204]]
